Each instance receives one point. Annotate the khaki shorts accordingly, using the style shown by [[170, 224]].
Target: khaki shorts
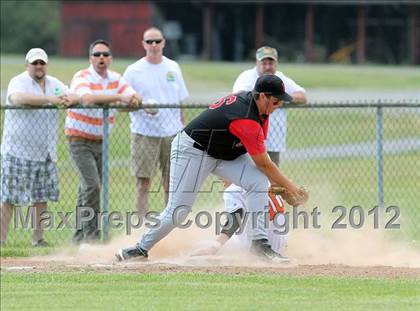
[[147, 152]]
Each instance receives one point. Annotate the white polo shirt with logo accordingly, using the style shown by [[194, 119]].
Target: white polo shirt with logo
[[159, 83], [31, 134]]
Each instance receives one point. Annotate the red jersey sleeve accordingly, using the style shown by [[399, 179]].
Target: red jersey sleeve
[[250, 133]]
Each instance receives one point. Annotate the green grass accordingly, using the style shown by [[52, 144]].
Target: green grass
[[313, 76], [190, 291], [332, 181], [346, 181], [219, 76]]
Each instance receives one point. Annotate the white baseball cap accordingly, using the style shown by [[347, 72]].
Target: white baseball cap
[[36, 54]]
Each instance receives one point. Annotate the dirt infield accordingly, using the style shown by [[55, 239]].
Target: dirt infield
[[34, 266], [344, 254]]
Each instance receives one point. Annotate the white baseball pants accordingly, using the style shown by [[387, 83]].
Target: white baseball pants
[[235, 198]]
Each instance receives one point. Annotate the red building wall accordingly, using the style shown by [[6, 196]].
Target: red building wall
[[121, 23]]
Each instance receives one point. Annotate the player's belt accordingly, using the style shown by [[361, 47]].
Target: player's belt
[[83, 140], [199, 147], [196, 145]]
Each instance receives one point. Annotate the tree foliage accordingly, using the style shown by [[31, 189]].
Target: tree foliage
[[28, 24]]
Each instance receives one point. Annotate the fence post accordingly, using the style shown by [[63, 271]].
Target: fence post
[[379, 154], [105, 174]]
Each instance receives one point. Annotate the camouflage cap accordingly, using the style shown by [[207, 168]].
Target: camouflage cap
[[266, 52]]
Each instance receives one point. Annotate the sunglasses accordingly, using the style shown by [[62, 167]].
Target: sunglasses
[[150, 42], [98, 54], [38, 62]]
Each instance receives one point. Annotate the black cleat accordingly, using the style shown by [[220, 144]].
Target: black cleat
[[131, 252], [262, 249]]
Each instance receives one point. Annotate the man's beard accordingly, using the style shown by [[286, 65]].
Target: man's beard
[[269, 72], [39, 76]]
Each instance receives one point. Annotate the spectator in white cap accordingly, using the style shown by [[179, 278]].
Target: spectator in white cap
[[36, 54], [28, 149]]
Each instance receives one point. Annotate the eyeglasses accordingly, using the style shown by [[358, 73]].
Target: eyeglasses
[[38, 62], [98, 54], [150, 42]]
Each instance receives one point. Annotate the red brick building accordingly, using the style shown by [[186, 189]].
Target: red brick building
[[121, 22], [356, 31]]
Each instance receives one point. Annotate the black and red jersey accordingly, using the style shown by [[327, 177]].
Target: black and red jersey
[[230, 127]]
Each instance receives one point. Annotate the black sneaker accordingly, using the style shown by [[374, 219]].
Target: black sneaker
[[40, 243], [131, 252], [262, 249]]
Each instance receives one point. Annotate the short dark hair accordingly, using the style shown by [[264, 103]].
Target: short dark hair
[[96, 42]]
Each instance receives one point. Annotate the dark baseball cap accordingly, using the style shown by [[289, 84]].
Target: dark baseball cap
[[272, 85]]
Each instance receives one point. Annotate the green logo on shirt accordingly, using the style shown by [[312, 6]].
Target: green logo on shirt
[[170, 76], [57, 91]]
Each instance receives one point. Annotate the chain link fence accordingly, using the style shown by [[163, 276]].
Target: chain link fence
[[346, 154]]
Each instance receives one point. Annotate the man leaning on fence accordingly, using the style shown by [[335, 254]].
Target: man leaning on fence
[[96, 85], [157, 79], [28, 149]]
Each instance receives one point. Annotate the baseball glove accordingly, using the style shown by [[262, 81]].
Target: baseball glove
[[275, 204], [294, 200]]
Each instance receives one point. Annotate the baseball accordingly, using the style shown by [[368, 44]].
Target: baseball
[[151, 110]]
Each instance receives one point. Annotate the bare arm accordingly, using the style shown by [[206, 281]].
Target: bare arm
[[26, 99], [276, 177], [90, 99], [132, 100], [210, 247], [299, 98], [135, 102], [222, 238], [72, 99]]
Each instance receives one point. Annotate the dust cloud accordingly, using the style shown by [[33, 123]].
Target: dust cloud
[[367, 247]]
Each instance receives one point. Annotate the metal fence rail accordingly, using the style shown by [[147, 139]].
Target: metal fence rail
[[363, 154]]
